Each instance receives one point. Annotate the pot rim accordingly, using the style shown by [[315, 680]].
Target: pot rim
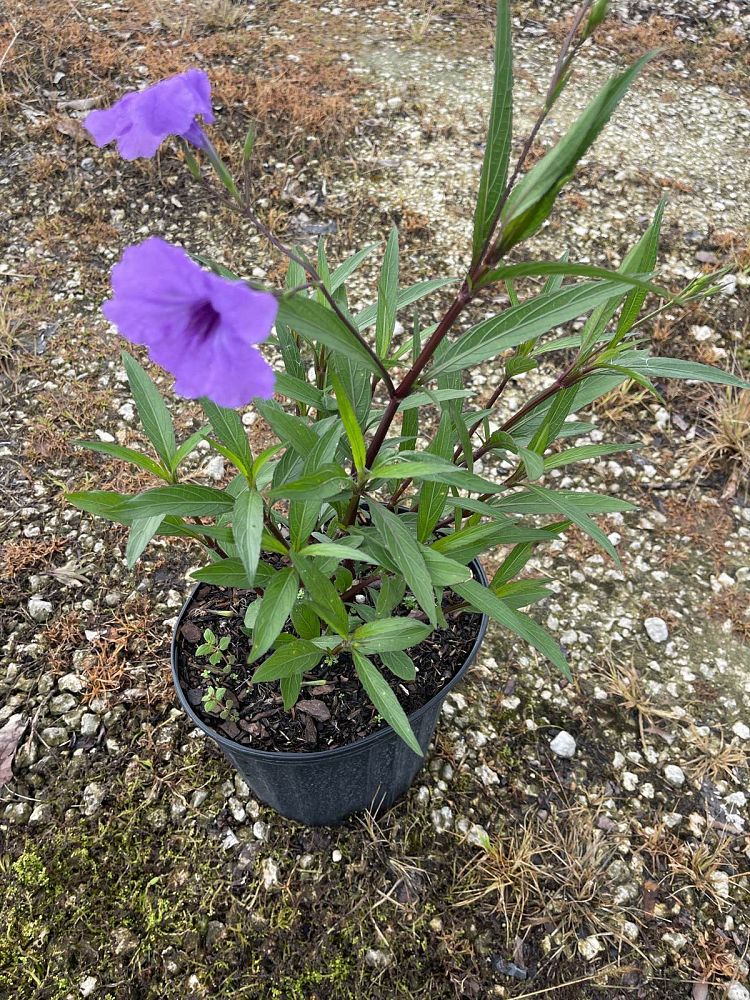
[[300, 756]]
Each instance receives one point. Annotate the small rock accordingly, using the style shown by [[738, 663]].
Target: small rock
[[589, 947], [337, 856], [377, 959], [270, 873], [727, 284], [230, 840], [127, 412], [487, 776], [674, 940], [306, 862], [93, 796], [87, 986], [39, 610], [674, 775], [442, 819], [741, 730], [215, 468], [736, 991], [124, 941], [55, 736], [41, 813], [71, 683], [61, 704], [237, 810], [720, 883], [215, 933], [563, 745], [261, 830], [656, 629], [89, 724]]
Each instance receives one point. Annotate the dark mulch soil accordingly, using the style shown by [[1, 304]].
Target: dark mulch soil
[[331, 715]]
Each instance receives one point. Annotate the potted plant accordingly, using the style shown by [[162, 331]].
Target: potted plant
[[342, 597]]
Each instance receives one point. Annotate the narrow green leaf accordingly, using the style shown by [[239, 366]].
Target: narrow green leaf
[[406, 297], [351, 425], [328, 482], [583, 452], [287, 427], [387, 634], [306, 622], [387, 297], [385, 701], [289, 660], [247, 524], [320, 325], [487, 603], [142, 531], [444, 572], [573, 513], [278, 600], [322, 595], [336, 550], [642, 258], [345, 270], [290, 690], [400, 664], [407, 554], [224, 573], [188, 446], [228, 427], [126, 455], [499, 134], [302, 392], [677, 368], [151, 409], [181, 501]]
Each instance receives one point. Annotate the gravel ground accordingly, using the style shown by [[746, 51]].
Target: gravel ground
[[588, 839]]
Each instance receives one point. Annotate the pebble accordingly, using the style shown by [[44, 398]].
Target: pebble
[[39, 609], [336, 856], [487, 776], [87, 986], [61, 704], [237, 810], [674, 775], [41, 813], [215, 468], [377, 959], [230, 840], [741, 730], [656, 629], [71, 683], [89, 724], [442, 819], [93, 796], [589, 947], [269, 873], [674, 940], [736, 991], [563, 745], [261, 830], [55, 736]]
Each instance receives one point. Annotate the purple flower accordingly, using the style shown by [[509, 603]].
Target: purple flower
[[197, 325], [141, 121]]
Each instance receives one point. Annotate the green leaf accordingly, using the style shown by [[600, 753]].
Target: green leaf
[[563, 268], [322, 595], [386, 634], [573, 513], [434, 396], [399, 664], [127, 455], [385, 701], [320, 325], [406, 297], [520, 323], [151, 409], [538, 502], [499, 134], [387, 297], [188, 446], [290, 690], [467, 543], [277, 603], [224, 573], [351, 425], [288, 428], [390, 595], [142, 531], [407, 554], [327, 482], [676, 368], [432, 494], [444, 571], [228, 427], [247, 525], [301, 392], [642, 258], [289, 660], [483, 600], [343, 271], [583, 452], [306, 622], [181, 501], [336, 550], [531, 200]]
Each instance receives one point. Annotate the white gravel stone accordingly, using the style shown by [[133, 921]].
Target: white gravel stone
[[674, 940], [674, 775], [377, 959], [563, 745], [89, 724], [261, 830], [487, 776], [589, 947], [656, 629], [270, 873], [39, 609], [736, 991], [93, 796], [442, 819], [337, 856], [741, 730], [215, 468], [87, 986]]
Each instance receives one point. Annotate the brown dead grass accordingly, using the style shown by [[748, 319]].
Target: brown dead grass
[[732, 605], [28, 553], [725, 445]]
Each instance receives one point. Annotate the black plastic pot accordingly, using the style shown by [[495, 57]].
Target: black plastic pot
[[324, 787]]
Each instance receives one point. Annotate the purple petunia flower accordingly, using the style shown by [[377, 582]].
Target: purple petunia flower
[[141, 121], [196, 324]]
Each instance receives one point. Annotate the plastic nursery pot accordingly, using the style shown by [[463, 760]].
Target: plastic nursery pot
[[322, 788]]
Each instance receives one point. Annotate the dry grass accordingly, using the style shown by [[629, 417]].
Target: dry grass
[[716, 759], [28, 553], [732, 605], [726, 444], [626, 686]]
